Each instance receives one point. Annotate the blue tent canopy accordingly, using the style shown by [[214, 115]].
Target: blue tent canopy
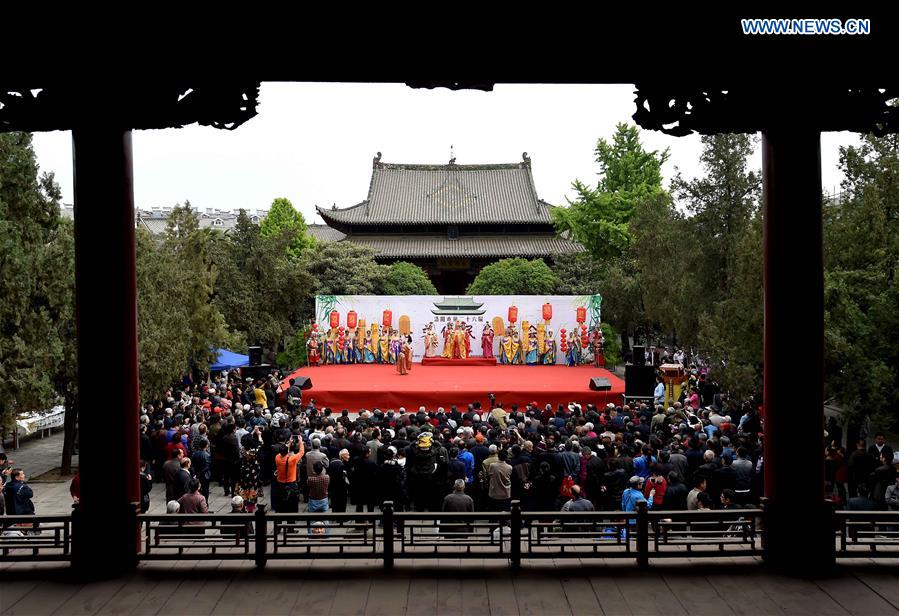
[[227, 360]]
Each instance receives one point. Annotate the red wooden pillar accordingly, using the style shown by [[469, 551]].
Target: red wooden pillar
[[799, 536], [105, 535]]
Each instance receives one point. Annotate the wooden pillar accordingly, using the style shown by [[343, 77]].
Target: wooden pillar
[[798, 521], [105, 535]]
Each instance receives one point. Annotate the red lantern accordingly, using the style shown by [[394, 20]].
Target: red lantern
[[335, 319], [388, 318], [581, 314], [513, 314], [547, 312], [351, 319]]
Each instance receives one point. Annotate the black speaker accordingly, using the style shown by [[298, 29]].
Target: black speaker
[[639, 355], [598, 383], [256, 372], [639, 380], [255, 353], [303, 382]]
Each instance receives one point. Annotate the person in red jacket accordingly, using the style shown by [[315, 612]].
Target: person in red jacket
[[658, 483]]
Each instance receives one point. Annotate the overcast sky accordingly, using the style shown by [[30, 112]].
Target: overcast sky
[[313, 143]]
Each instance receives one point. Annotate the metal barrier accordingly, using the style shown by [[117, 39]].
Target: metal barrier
[[508, 535]]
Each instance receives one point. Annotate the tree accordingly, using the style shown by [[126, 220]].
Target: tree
[[190, 246], [343, 268], [58, 269], [407, 279], [599, 217], [30, 347], [262, 271], [722, 203], [514, 277], [861, 294], [283, 217], [615, 278], [164, 338]]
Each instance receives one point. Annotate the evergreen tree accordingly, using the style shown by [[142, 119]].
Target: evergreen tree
[[407, 279], [30, 347], [283, 217], [514, 277]]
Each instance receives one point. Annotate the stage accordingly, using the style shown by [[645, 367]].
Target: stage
[[366, 386]]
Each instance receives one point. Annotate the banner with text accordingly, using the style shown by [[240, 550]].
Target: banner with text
[[415, 312]]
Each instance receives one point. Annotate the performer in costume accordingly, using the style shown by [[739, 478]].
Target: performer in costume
[[447, 341], [531, 353], [350, 348], [331, 346], [585, 342], [466, 329], [459, 340], [407, 353], [512, 346], [396, 347], [571, 356], [312, 355], [487, 341], [404, 361], [384, 341], [541, 342], [368, 349], [598, 342], [375, 344], [431, 341], [549, 356], [502, 348]]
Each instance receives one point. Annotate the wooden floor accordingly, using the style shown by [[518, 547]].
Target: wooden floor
[[450, 587]]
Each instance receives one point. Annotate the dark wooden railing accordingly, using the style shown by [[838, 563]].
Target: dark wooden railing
[[389, 535]]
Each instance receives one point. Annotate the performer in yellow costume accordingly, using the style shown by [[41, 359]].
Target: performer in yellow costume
[[459, 336], [375, 344], [512, 346], [448, 337], [384, 342]]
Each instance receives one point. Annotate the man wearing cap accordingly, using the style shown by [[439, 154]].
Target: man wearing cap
[[422, 466]]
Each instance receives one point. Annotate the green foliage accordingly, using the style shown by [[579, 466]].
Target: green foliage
[[611, 348], [514, 277], [599, 217], [342, 268], [294, 354], [861, 298], [164, 338], [30, 344], [283, 219], [190, 247], [407, 279], [263, 292]]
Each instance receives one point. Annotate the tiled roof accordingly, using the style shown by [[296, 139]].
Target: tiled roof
[[425, 246], [324, 233], [451, 194]]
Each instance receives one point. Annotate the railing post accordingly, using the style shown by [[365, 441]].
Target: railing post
[[515, 539], [260, 525], [763, 503], [387, 530], [642, 535]]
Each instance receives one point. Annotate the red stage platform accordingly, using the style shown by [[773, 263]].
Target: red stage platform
[[368, 386], [471, 361]]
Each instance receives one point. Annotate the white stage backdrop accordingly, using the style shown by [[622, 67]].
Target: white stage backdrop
[[477, 311]]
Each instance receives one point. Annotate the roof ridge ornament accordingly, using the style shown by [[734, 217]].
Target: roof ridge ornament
[[526, 159], [376, 161]]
